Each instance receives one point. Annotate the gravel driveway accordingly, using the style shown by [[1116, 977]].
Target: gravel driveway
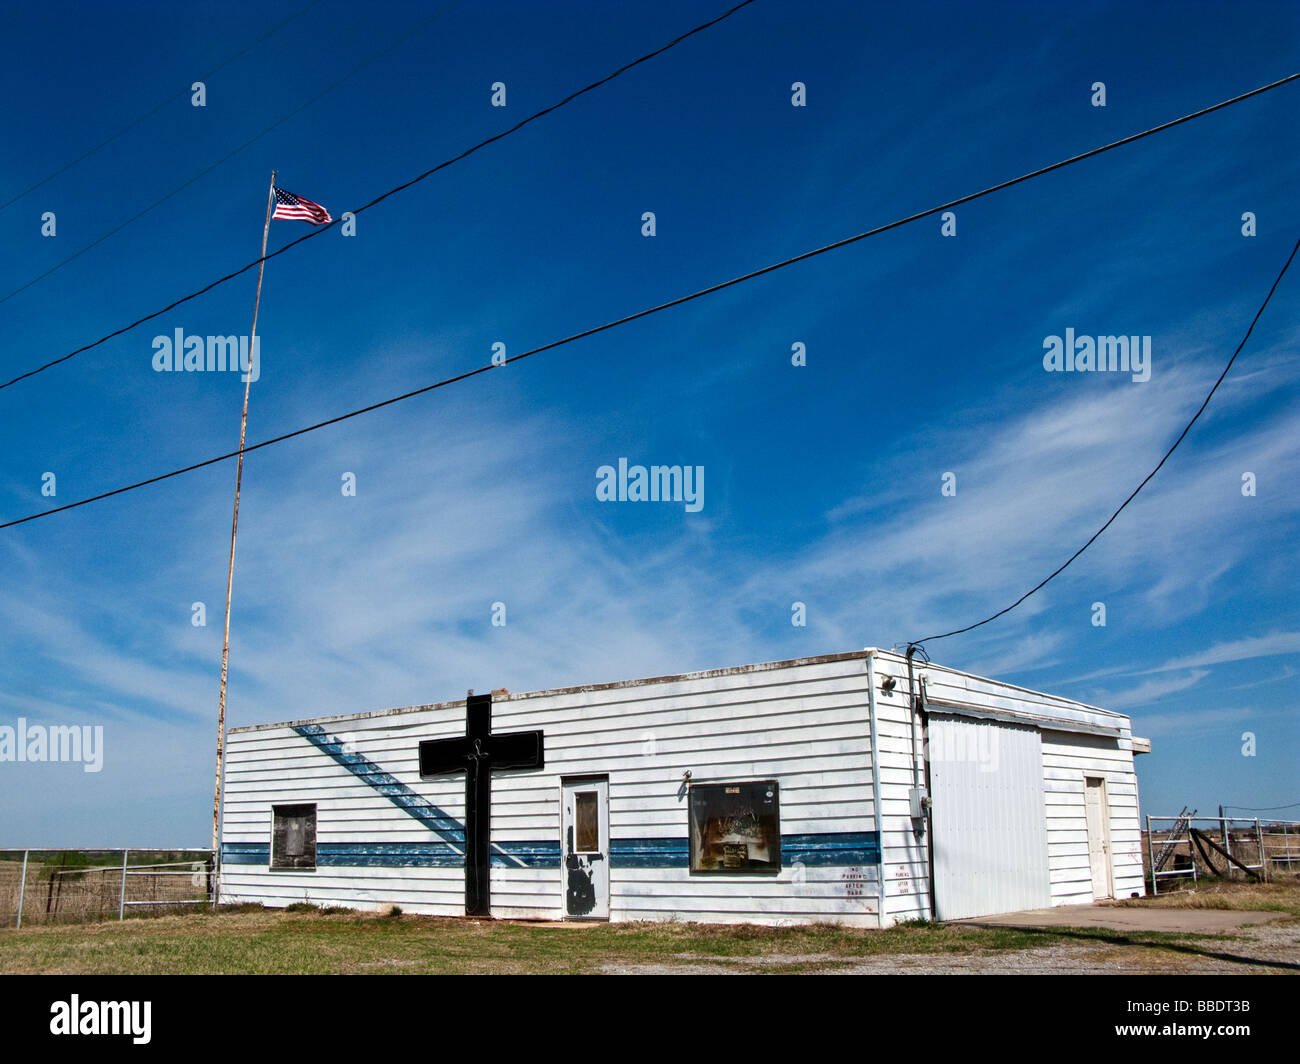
[[1222, 946]]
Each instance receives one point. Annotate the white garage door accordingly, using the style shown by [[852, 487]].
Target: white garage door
[[989, 819]]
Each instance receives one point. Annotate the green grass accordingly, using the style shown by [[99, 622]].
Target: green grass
[[311, 940]]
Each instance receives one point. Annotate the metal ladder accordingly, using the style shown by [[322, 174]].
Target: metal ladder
[[1176, 835]]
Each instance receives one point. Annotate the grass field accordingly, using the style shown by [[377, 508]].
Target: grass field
[[246, 939]]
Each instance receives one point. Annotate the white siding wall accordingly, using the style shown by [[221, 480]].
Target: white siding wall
[[904, 856], [1067, 759], [804, 725], [269, 766]]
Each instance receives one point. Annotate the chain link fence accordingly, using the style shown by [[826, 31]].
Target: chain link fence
[[86, 885]]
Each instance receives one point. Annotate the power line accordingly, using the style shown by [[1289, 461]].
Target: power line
[[445, 382], [149, 114], [1200, 410], [1262, 809], [392, 191], [482, 144], [230, 155]]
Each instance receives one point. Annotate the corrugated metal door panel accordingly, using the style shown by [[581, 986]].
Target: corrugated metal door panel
[[989, 818]]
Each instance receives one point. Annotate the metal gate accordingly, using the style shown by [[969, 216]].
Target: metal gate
[[989, 818], [73, 886]]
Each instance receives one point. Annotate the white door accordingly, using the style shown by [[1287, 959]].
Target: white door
[[989, 818], [584, 844], [1098, 837]]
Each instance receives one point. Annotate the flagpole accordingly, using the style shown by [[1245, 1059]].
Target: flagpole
[[234, 527]]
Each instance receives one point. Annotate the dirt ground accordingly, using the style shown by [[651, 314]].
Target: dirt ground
[[1194, 940], [1254, 950], [1130, 918]]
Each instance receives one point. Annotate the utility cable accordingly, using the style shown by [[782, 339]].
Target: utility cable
[[445, 382], [573, 96], [380, 198], [231, 154], [149, 114], [1146, 480]]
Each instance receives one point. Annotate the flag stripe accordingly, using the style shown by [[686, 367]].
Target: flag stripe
[[287, 205]]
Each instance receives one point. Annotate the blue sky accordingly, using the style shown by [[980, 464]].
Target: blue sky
[[822, 482]]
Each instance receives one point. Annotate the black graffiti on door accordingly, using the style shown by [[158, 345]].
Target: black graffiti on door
[[580, 898]]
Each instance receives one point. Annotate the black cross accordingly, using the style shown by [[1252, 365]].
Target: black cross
[[476, 754]]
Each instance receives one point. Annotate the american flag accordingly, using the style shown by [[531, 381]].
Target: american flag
[[287, 205]]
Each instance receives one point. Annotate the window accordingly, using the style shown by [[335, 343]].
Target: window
[[735, 827], [586, 814], [293, 836]]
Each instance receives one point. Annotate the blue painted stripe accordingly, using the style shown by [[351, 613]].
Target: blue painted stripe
[[401, 854], [825, 849], [528, 854], [388, 855], [649, 853], [836, 849], [245, 853], [433, 855]]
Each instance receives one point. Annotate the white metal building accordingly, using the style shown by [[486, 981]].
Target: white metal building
[[790, 791]]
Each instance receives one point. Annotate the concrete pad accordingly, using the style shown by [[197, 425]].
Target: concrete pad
[[1129, 918]]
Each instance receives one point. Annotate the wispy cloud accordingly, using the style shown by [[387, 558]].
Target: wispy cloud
[[1236, 650], [1189, 722], [382, 599], [1149, 691]]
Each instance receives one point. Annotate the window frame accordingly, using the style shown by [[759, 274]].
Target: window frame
[[693, 857], [595, 811], [279, 811]]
